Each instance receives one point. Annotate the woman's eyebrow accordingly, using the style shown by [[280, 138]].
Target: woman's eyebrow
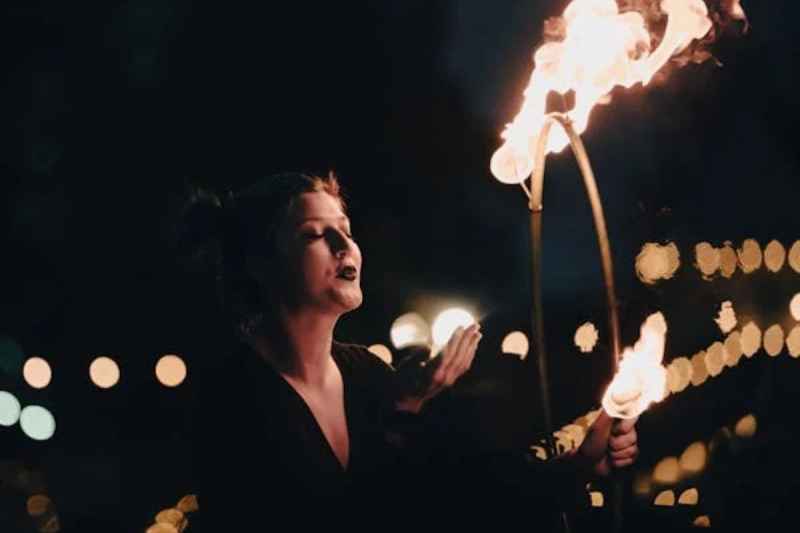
[[323, 219]]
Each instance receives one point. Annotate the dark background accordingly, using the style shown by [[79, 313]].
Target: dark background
[[110, 110]]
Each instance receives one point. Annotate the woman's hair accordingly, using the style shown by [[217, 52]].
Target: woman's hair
[[222, 233]]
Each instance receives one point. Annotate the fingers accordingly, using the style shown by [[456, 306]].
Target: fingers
[[620, 442], [630, 452], [458, 354], [623, 426]]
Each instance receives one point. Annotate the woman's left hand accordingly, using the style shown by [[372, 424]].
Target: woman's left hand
[[609, 444], [445, 369]]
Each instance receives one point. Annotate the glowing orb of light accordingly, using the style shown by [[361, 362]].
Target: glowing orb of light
[[586, 337], [727, 260], [750, 256], [673, 378], [162, 527], [773, 340], [727, 317], [188, 504], [774, 256], [683, 368], [171, 370], [516, 343], [37, 422], [642, 484], [794, 306], [656, 262], [37, 505], [702, 521], [715, 359], [689, 497], [447, 322], [9, 409], [104, 372], [707, 259], [37, 372], [597, 498], [410, 329], [746, 427], [667, 471], [793, 342], [751, 339], [699, 370], [665, 498], [733, 349], [794, 257], [693, 460], [383, 353]]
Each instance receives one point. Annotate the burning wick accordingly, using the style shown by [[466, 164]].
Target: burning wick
[[640, 379]]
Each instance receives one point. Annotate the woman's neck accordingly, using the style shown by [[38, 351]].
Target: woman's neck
[[300, 349]]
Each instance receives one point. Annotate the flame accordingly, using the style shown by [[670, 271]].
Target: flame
[[601, 48], [640, 379]]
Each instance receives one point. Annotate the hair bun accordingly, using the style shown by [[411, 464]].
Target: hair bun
[[200, 229]]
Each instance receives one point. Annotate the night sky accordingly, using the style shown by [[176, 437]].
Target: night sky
[[110, 112]]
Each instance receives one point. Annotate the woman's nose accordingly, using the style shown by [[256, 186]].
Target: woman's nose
[[338, 243]]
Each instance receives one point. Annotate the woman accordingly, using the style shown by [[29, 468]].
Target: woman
[[308, 422]]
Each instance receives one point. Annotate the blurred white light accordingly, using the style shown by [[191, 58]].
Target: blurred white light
[[516, 343], [37, 372], [586, 337], [794, 306], [409, 329], [37, 422], [171, 370], [382, 352], [726, 320], [9, 409], [447, 322], [104, 372]]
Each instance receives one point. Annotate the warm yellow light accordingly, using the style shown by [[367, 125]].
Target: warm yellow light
[[104, 372], [746, 427], [37, 422], [586, 337], [750, 256], [667, 471], [726, 320], [689, 497], [693, 459], [37, 372], [751, 339], [715, 359], [383, 353], [597, 498], [699, 370], [773, 340], [161, 527], [727, 260], [793, 342], [774, 256], [665, 498], [540, 452], [642, 484], [702, 521], [9, 409], [410, 329], [576, 433], [794, 257], [733, 349], [656, 262], [188, 504], [37, 505], [170, 370], [516, 343], [673, 379], [447, 322], [172, 517], [707, 259], [794, 306]]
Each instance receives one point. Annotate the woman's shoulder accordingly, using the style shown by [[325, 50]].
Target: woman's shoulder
[[357, 359]]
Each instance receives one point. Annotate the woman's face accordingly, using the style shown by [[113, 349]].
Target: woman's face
[[324, 262]]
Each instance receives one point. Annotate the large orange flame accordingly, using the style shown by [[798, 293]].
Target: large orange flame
[[601, 48]]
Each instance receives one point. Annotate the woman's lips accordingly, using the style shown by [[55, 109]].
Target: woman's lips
[[348, 273]]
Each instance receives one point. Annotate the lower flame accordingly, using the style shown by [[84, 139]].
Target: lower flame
[[640, 379]]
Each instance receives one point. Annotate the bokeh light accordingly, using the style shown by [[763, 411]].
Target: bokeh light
[[188, 504], [794, 306], [750, 339], [665, 498], [684, 368], [793, 341], [447, 322], [104, 372], [750, 256], [727, 260], [9, 409], [699, 370], [715, 359], [516, 343], [383, 353], [586, 337], [794, 257], [733, 349], [707, 259], [656, 262], [689, 497], [37, 372], [702, 521], [726, 320], [37, 422], [38, 504], [410, 329], [746, 427], [597, 498], [642, 484], [170, 370], [773, 340], [693, 460], [774, 256], [667, 471]]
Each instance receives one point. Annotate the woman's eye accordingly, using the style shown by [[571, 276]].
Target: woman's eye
[[312, 236]]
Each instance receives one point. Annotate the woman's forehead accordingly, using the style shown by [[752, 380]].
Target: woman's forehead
[[317, 206]]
